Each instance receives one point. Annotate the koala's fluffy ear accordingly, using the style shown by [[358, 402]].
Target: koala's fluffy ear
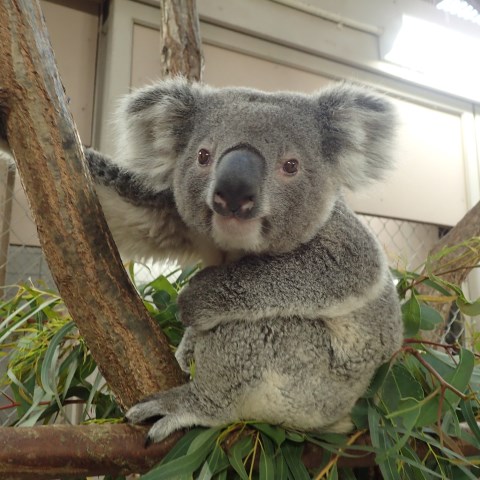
[[153, 125], [356, 129]]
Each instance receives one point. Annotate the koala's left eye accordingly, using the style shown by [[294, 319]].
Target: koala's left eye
[[290, 167], [203, 157]]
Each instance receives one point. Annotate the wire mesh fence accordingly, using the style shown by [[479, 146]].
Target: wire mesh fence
[[406, 244]]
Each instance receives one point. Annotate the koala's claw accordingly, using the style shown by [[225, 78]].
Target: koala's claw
[[148, 441], [142, 412]]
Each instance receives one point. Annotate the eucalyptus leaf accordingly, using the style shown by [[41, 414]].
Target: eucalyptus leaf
[[281, 467], [239, 450], [468, 308], [215, 463], [197, 451], [437, 285], [469, 416], [429, 317], [377, 380], [347, 474], [277, 434], [6, 331], [411, 316], [266, 465], [461, 376], [49, 365], [292, 452], [359, 414], [333, 474], [382, 444], [412, 471], [401, 396]]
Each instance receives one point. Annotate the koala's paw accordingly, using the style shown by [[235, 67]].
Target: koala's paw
[[184, 356], [195, 308], [142, 412], [162, 428]]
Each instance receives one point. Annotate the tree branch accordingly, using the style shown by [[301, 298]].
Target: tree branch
[[180, 45], [467, 228], [71, 451], [68, 451], [131, 352], [456, 265]]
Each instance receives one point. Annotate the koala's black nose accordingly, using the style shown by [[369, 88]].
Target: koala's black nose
[[239, 178]]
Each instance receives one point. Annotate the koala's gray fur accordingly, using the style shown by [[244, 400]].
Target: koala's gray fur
[[297, 308]]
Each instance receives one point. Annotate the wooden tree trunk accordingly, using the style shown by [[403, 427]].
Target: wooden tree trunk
[[459, 263], [180, 43], [66, 451], [131, 352]]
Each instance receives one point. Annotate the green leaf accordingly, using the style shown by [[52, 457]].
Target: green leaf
[[266, 466], [281, 467], [418, 467], [7, 331], [359, 414], [187, 272], [197, 451], [411, 316], [462, 473], [425, 437], [429, 317], [222, 475], [215, 463], [48, 372], [333, 474], [161, 283], [401, 395], [458, 376], [277, 434], [239, 450], [378, 380], [438, 286], [347, 474], [469, 417], [162, 299], [440, 361], [292, 452], [295, 436], [413, 472], [461, 376], [468, 308], [181, 447], [382, 444]]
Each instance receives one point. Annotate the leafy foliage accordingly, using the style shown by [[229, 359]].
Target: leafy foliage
[[49, 365], [418, 417]]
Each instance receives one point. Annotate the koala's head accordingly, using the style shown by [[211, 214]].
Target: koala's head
[[255, 171]]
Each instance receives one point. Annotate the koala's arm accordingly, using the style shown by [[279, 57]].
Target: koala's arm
[[144, 222], [339, 271]]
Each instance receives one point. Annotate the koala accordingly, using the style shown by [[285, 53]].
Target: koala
[[295, 308]]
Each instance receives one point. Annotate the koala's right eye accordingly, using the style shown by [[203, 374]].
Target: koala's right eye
[[204, 157]]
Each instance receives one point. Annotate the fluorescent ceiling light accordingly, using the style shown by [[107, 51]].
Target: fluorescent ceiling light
[[460, 8], [436, 52]]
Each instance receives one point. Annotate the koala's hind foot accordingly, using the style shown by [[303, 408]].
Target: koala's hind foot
[[179, 408]]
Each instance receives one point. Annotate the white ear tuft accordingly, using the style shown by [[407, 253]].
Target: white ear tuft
[[153, 125], [357, 129]]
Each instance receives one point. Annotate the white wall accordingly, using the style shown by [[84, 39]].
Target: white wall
[[430, 180]]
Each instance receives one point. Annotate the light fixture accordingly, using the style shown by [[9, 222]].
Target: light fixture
[[461, 9], [445, 56]]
